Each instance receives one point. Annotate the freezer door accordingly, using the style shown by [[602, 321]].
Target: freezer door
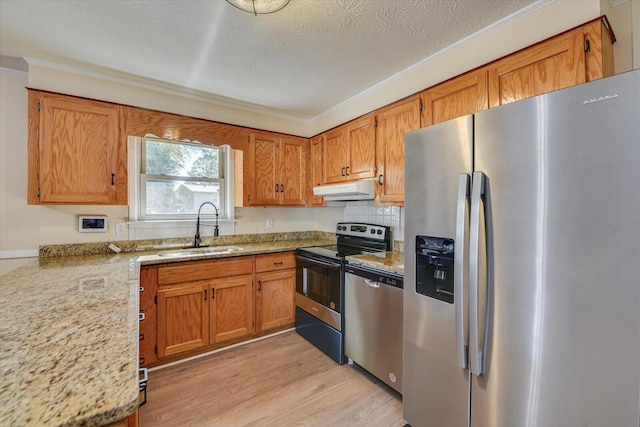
[[562, 341], [436, 388]]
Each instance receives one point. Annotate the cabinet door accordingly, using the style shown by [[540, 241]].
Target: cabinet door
[[148, 326], [231, 308], [335, 156], [553, 64], [361, 141], [291, 169], [275, 299], [264, 157], [81, 151], [315, 167], [393, 122], [183, 317], [458, 97]]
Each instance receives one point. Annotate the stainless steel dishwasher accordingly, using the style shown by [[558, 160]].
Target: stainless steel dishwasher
[[373, 322]]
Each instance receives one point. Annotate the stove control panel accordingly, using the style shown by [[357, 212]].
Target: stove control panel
[[369, 231]]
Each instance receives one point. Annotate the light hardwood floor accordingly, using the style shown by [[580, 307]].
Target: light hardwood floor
[[279, 381]]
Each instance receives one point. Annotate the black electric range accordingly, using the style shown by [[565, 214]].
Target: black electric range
[[320, 283]]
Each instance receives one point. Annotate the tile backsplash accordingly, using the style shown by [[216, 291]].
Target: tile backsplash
[[365, 211]]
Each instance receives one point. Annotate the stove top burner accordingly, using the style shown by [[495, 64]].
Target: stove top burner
[[354, 239]]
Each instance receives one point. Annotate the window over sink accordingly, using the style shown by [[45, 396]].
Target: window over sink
[[176, 177], [173, 178]]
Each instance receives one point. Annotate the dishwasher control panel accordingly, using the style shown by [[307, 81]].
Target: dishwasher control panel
[[376, 276]]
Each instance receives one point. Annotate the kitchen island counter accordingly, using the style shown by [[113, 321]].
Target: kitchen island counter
[[69, 335]]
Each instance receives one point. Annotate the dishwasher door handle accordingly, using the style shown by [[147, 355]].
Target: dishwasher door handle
[[371, 283]]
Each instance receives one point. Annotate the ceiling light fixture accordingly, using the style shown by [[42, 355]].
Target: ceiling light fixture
[[259, 6]]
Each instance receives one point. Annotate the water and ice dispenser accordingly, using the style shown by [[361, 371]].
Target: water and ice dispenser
[[434, 267]]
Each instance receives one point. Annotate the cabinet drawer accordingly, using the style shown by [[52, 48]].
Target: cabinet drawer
[[272, 262], [201, 270]]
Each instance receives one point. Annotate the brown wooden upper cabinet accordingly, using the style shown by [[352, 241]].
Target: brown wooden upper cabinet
[[349, 151], [466, 94], [393, 122], [77, 151], [575, 57], [278, 170], [316, 174]]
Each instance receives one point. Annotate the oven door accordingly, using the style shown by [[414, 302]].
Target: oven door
[[318, 288]]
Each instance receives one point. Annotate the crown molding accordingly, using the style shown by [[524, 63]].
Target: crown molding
[[96, 72]]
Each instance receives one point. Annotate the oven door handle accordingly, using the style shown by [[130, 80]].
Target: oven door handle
[[318, 261]]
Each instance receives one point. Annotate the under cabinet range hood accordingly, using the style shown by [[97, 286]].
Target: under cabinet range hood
[[356, 190]]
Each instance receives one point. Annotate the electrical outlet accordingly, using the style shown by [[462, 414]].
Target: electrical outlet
[[121, 228], [268, 223]]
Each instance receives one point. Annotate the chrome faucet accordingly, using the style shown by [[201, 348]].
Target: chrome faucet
[[197, 240]]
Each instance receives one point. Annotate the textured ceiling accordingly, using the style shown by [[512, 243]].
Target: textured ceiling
[[301, 61]]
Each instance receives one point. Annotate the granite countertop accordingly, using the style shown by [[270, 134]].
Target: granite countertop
[[69, 342], [69, 333], [392, 261], [246, 249]]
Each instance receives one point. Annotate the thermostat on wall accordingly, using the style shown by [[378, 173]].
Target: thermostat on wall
[[92, 224]]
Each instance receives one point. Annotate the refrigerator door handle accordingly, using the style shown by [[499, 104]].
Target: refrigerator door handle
[[476, 355], [459, 276]]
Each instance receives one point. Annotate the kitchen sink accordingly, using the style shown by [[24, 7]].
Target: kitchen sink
[[214, 250]]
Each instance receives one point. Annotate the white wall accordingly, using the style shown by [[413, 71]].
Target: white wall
[[620, 18], [253, 220]]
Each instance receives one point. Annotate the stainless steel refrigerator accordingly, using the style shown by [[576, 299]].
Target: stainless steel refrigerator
[[522, 263]]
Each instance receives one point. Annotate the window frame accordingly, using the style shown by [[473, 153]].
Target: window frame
[[138, 210]]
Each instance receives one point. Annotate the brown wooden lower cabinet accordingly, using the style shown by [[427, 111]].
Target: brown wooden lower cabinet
[[198, 306], [183, 317], [275, 299], [231, 308]]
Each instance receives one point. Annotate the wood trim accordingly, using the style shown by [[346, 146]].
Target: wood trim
[[33, 150], [238, 188], [316, 169], [121, 162]]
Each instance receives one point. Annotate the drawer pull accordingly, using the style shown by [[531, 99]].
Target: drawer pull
[[278, 263]]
